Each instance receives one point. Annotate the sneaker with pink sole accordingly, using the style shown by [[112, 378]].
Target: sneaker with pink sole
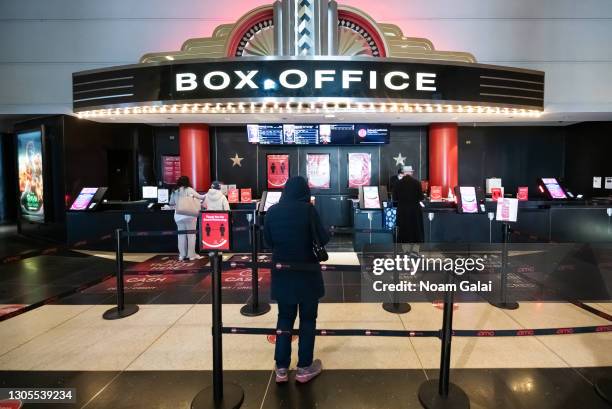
[[308, 373], [282, 375]]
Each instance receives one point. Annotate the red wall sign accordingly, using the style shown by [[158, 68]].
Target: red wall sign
[[232, 196], [278, 171], [215, 231], [171, 169]]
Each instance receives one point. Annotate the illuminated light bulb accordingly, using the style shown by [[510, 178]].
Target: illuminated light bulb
[[429, 108], [460, 108], [439, 108]]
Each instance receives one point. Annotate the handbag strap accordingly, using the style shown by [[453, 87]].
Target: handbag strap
[[313, 228]]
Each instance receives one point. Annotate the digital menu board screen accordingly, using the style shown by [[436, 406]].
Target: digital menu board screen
[[265, 134], [30, 168], [318, 134]]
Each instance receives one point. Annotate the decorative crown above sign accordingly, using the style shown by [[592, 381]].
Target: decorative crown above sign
[[307, 56]]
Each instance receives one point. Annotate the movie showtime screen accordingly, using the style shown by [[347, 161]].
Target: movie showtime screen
[[215, 231], [30, 167], [278, 171]]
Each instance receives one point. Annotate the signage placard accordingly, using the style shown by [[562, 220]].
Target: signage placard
[[251, 79], [215, 231]]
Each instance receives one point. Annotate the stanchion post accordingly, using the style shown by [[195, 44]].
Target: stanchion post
[[504, 303], [121, 310], [441, 393], [254, 307], [221, 395], [395, 307], [603, 387]]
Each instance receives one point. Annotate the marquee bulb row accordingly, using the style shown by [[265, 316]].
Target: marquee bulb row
[[315, 107]]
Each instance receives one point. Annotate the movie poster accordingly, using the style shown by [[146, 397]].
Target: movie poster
[[30, 167], [171, 169], [215, 233], [278, 171], [318, 170], [359, 169]]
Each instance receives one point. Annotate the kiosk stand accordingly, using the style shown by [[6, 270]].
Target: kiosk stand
[[121, 310], [254, 307], [504, 303], [220, 395], [440, 393]]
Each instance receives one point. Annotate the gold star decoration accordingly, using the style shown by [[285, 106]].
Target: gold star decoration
[[399, 159], [236, 160]]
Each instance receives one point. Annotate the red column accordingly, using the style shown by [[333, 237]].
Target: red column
[[194, 142], [443, 162]]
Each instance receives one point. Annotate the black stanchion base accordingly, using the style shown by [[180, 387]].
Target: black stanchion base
[[505, 305], [115, 313], [603, 387], [430, 398], [233, 396], [249, 310], [397, 308]]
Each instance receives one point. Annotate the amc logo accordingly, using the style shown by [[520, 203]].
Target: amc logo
[[525, 332], [486, 333], [565, 331]]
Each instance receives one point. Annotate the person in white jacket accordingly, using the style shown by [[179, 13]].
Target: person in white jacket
[[186, 242], [215, 200]]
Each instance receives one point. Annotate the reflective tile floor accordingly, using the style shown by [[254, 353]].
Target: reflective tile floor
[[161, 356]]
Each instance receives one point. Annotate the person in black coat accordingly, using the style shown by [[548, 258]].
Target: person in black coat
[[408, 193], [287, 230]]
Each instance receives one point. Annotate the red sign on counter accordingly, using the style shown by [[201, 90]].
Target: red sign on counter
[[215, 231], [497, 193], [171, 169], [232, 196], [435, 194], [523, 193], [245, 195], [278, 171]]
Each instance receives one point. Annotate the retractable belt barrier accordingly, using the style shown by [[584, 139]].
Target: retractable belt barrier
[[52, 250], [430, 333]]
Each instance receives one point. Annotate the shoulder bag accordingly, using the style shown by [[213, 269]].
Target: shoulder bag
[[317, 248]]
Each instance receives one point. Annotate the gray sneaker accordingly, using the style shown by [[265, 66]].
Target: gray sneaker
[[310, 372], [282, 375]]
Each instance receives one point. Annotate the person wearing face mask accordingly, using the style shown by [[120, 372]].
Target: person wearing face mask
[[408, 194], [215, 200]]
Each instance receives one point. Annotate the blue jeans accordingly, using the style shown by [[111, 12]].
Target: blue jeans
[[287, 314]]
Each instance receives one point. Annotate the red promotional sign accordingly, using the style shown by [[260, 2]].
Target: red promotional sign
[[496, 193], [435, 195], [523, 193], [278, 171], [245, 195], [232, 196], [171, 169], [359, 169], [318, 171], [215, 231]]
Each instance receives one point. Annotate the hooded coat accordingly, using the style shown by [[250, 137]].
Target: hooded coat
[[287, 230], [215, 200]]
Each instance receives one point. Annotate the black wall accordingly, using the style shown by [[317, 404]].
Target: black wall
[[411, 142], [588, 150], [518, 155], [8, 178]]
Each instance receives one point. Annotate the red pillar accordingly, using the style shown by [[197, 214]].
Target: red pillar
[[194, 146], [443, 162]]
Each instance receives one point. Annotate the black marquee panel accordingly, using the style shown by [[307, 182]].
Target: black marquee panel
[[455, 83]]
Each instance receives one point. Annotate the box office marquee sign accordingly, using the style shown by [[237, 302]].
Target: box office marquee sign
[[356, 79]]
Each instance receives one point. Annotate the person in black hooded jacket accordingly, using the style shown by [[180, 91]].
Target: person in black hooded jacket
[[287, 230]]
